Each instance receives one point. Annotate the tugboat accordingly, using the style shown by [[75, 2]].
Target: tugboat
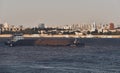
[[18, 40]]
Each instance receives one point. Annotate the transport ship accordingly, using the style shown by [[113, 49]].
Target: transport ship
[[19, 40]]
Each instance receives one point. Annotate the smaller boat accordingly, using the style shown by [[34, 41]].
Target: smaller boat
[[18, 40]]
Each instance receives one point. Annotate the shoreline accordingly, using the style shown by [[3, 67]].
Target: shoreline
[[67, 36]]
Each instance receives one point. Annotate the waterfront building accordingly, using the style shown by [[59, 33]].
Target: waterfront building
[[118, 29], [5, 27], [20, 27], [41, 25], [11, 28], [14, 28], [93, 26], [113, 30], [111, 26], [1, 26], [104, 30], [66, 27]]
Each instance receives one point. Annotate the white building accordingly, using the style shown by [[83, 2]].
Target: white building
[[93, 26]]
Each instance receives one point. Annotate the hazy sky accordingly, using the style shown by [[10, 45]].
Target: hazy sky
[[59, 12]]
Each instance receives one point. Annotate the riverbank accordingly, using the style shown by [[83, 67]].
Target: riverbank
[[74, 36]]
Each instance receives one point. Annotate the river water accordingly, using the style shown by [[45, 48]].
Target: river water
[[97, 56]]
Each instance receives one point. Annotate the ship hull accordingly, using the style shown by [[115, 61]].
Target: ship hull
[[45, 42]]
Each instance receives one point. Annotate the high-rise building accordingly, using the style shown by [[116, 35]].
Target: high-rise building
[[93, 26], [111, 26]]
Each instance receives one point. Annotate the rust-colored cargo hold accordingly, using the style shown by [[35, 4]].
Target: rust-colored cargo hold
[[55, 41]]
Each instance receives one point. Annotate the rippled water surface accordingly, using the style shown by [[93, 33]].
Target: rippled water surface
[[97, 56]]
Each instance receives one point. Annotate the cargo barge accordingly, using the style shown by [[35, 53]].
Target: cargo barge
[[19, 40]]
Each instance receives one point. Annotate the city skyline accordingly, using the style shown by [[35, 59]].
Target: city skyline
[[62, 12]]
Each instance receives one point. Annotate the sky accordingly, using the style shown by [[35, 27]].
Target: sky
[[59, 12]]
